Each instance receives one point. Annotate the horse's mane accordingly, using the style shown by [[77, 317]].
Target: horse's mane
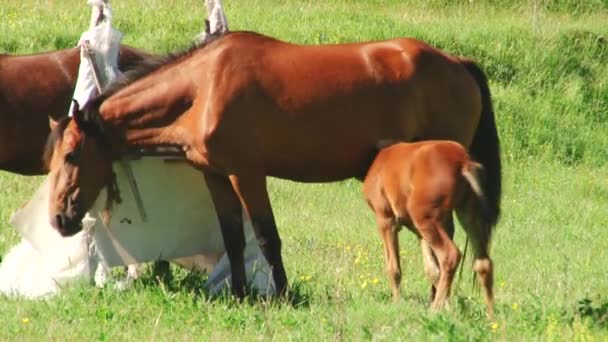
[[152, 63], [146, 66]]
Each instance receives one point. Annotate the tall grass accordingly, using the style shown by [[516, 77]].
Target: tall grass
[[548, 66]]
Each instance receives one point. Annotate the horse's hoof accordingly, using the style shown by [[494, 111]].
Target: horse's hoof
[[438, 306]]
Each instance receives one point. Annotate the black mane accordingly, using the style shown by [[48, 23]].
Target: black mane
[[151, 64], [144, 67]]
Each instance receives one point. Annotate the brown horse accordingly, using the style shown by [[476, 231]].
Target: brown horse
[[420, 185], [32, 89], [246, 106]]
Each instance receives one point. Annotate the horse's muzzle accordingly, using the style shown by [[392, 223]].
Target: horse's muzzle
[[65, 225]]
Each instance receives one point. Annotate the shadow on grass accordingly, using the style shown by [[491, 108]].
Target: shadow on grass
[[176, 280]]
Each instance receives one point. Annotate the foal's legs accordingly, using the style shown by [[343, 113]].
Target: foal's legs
[[431, 265], [230, 215], [429, 223], [389, 230], [479, 234], [251, 189]]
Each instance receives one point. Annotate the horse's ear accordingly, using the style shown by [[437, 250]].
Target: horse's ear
[[87, 120], [78, 115], [53, 123], [75, 107]]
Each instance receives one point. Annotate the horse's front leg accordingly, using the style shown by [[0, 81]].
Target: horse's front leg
[[230, 215], [251, 188], [229, 144]]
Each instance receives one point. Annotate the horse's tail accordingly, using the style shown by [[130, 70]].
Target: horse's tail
[[473, 174], [485, 147]]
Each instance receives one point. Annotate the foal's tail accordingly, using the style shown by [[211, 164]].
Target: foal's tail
[[471, 173], [485, 147], [474, 174]]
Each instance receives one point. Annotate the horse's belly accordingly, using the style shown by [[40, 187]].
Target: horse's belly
[[318, 171], [328, 146], [337, 137], [315, 159]]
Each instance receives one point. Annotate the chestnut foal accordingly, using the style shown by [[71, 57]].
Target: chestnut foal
[[419, 185]]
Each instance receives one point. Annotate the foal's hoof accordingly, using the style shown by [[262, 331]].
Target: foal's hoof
[[490, 313]]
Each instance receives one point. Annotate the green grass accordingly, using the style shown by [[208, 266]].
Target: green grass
[[548, 69]]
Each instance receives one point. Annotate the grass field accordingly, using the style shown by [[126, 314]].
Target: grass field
[[548, 66]]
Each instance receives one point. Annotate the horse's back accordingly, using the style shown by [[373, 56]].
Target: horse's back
[[277, 64], [340, 100]]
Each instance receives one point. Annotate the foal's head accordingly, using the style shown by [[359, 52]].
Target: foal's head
[[80, 167]]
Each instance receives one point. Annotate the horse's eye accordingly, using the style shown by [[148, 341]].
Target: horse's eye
[[71, 157]]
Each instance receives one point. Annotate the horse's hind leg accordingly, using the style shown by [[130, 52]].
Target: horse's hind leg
[[431, 265], [429, 223], [229, 211], [480, 239], [251, 188], [389, 230]]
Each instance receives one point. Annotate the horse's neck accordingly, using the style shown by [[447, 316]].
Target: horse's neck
[[66, 58], [58, 67], [49, 78], [148, 111]]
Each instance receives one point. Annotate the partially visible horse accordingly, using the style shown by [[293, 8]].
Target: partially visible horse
[[246, 106], [32, 89], [420, 185]]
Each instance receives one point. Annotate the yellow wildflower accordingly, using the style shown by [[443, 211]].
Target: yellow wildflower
[[515, 306], [305, 277], [375, 281], [494, 325], [25, 320]]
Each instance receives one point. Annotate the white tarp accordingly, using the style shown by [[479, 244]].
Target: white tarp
[[166, 213], [216, 20], [180, 223]]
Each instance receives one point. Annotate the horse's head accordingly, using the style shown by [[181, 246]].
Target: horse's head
[[80, 167]]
